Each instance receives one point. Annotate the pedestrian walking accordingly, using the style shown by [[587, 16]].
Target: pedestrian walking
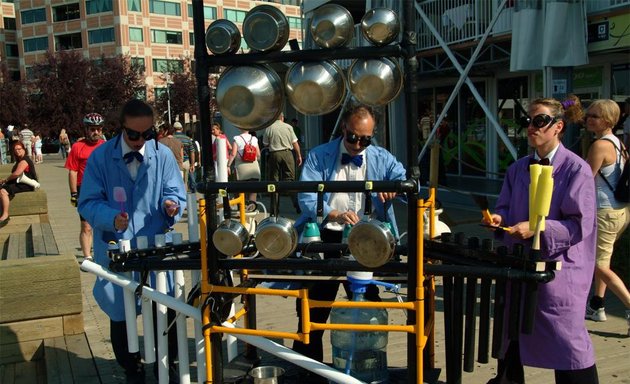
[[26, 137], [247, 165], [189, 150], [64, 143]]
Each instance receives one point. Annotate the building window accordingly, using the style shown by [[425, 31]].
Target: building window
[[33, 16], [166, 37], [8, 1], [135, 34], [141, 93], [159, 92], [11, 50], [134, 5], [15, 75], [69, 41], [234, 15], [165, 8], [36, 44], [138, 62], [295, 22], [98, 6], [99, 36], [66, 12], [209, 13], [165, 65], [9, 23], [191, 38]]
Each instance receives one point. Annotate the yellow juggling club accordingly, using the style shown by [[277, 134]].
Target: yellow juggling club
[[542, 203], [534, 173]]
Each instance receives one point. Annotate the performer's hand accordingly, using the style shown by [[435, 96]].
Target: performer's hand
[[171, 208], [74, 197], [121, 221], [384, 196], [347, 217], [521, 230]]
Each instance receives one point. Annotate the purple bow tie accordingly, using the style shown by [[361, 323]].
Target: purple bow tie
[[541, 161], [356, 159]]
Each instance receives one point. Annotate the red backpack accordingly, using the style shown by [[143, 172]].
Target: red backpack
[[249, 152]]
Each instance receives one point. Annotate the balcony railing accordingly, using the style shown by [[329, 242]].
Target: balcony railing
[[459, 21]]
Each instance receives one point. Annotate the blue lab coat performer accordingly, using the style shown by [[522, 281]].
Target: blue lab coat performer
[[348, 158], [153, 188]]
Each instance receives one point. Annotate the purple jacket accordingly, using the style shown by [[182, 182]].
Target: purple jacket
[[560, 339]]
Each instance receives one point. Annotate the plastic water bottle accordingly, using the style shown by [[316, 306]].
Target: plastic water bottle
[[362, 355]]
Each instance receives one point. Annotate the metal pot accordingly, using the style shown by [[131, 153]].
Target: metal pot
[[380, 26], [230, 237], [223, 37], [371, 243], [315, 88], [375, 82], [276, 238], [250, 97], [267, 375], [266, 28], [332, 26]]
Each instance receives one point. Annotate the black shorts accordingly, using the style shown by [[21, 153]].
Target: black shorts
[[13, 188]]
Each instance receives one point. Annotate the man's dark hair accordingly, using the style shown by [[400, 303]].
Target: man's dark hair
[[360, 110], [135, 108]]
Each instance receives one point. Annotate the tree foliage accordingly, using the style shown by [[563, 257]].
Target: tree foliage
[[13, 99], [183, 96], [65, 86]]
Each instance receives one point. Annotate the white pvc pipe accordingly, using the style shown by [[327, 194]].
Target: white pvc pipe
[[162, 323], [221, 162], [200, 344], [193, 220], [147, 328], [130, 318], [195, 313], [182, 336]]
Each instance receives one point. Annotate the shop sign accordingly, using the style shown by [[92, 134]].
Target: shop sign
[[609, 33]]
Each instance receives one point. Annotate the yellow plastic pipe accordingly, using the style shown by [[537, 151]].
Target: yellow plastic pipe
[[534, 174], [544, 191]]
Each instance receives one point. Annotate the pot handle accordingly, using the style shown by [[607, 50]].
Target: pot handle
[[227, 211], [320, 204], [367, 195]]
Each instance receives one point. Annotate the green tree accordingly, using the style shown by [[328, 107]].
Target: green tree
[[183, 95]]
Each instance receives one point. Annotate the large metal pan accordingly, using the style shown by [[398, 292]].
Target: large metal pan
[[372, 243], [380, 26], [332, 26], [315, 88], [223, 37], [230, 237], [375, 82], [250, 97], [276, 238], [266, 28]]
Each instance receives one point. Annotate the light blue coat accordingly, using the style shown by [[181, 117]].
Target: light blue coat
[[321, 165], [158, 179]]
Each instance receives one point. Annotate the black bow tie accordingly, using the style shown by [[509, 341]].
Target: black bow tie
[[356, 159], [129, 156], [541, 161]]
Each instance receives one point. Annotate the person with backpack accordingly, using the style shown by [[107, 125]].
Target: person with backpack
[[607, 157], [246, 155]]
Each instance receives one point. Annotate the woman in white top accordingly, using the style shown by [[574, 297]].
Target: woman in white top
[[613, 216], [246, 170]]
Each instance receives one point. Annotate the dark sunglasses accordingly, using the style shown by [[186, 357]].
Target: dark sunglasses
[[364, 141], [135, 135], [538, 121]]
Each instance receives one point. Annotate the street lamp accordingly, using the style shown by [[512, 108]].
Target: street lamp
[[167, 77]]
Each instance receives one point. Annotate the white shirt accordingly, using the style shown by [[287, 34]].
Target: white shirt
[[347, 201], [134, 164]]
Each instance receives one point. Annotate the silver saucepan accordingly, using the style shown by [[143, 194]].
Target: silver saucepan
[[231, 236], [276, 238], [371, 241]]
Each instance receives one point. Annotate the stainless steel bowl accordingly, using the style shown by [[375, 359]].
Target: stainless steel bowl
[[266, 28], [250, 97], [276, 238], [332, 26], [380, 26], [371, 243], [315, 88], [375, 82], [223, 37], [230, 237]]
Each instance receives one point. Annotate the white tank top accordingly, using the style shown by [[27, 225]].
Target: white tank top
[[612, 172]]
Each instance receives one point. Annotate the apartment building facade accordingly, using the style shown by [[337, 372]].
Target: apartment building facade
[[157, 34]]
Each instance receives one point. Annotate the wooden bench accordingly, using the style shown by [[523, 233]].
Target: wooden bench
[[38, 240]]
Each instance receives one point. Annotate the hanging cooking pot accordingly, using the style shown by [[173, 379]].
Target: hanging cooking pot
[[250, 97], [276, 238], [380, 26], [231, 236], [332, 26], [315, 88], [223, 37], [375, 82], [266, 28], [371, 241]]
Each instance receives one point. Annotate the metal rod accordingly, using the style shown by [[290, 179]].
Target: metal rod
[[499, 314], [514, 310], [458, 329], [469, 324], [484, 321], [403, 186]]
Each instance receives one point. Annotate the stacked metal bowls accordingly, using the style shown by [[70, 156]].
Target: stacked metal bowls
[[223, 37], [266, 28], [315, 88], [375, 82], [332, 26], [380, 26]]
